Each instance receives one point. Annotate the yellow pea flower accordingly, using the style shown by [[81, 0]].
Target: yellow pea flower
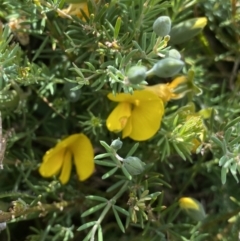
[[193, 208], [76, 147], [166, 91], [75, 9], [188, 203], [137, 115]]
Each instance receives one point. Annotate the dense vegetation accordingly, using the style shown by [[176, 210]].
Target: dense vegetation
[[120, 120]]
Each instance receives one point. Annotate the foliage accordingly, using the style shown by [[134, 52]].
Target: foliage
[[60, 60]]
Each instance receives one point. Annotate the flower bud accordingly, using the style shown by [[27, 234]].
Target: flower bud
[[193, 208], [166, 67], [116, 144], [186, 30], [9, 100], [162, 26], [72, 95], [136, 74], [173, 53], [134, 165]]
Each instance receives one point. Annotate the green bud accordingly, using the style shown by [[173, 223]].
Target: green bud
[[136, 74], [162, 26], [173, 53], [116, 144], [166, 67], [186, 30], [193, 208], [72, 95], [134, 165]]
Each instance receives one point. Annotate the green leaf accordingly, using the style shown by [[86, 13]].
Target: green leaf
[[93, 209], [116, 185], [227, 134], [133, 149], [233, 169], [121, 210], [96, 198], [86, 225], [106, 146], [100, 233], [180, 153], [224, 175], [110, 173], [40, 49], [154, 195], [126, 173], [136, 45], [129, 56], [228, 163], [234, 141], [117, 27], [232, 123], [223, 160], [90, 66], [217, 141], [105, 163], [119, 222]]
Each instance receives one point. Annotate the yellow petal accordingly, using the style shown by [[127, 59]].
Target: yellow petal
[[118, 118], [177, 81], [68, 141], [75, 9], [146, 116], [131, 98], [166, 91], [66, 167], [83, 156], [128, 128], [122, 97], [52, 162], [162, 91], [200, 23], [188, 203]]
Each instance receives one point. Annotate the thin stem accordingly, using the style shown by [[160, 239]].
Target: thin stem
[[106, 209], [40, 208]]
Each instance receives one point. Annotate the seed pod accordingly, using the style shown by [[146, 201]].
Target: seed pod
[[162, 26], [167, 67], [186, 30], [136, 74], [134, 165], [173, 53], [116, 144]]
